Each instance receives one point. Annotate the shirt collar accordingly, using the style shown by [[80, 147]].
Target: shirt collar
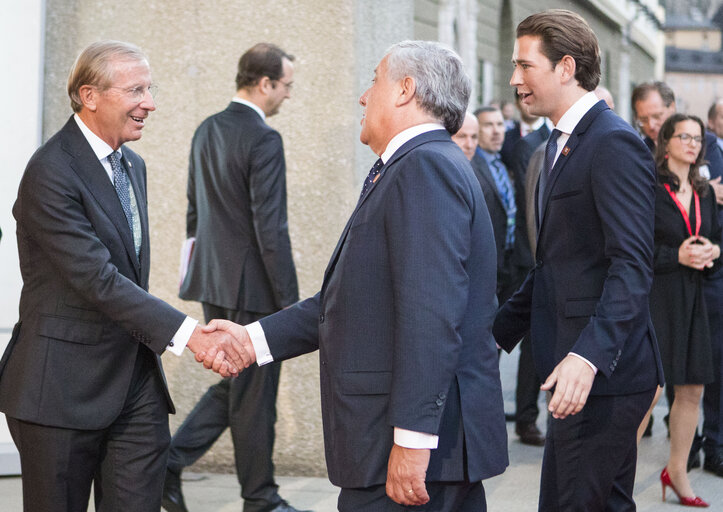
[[576, 112], [98, 145], [251, 105], [489, 157], [406, 135]]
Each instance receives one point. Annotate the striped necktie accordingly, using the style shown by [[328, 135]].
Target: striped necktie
[[127, 199]]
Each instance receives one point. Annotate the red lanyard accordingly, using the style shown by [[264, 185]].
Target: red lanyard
[[686, 217]]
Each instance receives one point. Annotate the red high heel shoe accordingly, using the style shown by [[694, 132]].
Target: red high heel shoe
[[686, 502]]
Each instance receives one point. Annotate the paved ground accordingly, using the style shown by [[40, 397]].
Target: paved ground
[[515, 490]]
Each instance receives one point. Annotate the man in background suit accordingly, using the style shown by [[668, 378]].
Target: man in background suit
[[410, 390], [241, 269], [81, 380], [586, 300], [528, 123], [512, 254]]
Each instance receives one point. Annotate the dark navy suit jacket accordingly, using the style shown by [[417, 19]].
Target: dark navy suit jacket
[[403, 323], [588, 292]]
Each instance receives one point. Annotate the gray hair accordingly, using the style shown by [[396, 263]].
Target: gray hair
[[442, 85], [93, 67]]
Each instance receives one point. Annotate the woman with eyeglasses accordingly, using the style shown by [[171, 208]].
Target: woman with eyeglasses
[[687, 247]]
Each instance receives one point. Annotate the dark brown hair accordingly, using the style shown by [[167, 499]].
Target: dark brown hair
[[641, 92], [665, 175], [561, 33], [262, 59]]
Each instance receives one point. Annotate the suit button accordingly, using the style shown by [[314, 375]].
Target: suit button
[[538, 263], [439, 402], [321, 318], [442, 396]]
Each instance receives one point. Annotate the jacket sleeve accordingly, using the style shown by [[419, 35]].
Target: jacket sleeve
[[623, 184], [51, 211], [267, 189]]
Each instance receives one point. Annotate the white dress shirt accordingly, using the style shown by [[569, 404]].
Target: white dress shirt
[[402, 437], [102, 150]]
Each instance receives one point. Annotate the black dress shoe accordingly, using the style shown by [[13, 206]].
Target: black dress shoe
[[510, 417], [530, 434], [172, 496], [285, 507], [714, 462]]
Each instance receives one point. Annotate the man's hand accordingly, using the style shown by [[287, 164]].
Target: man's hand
[[718, 189], [218, 351], [573, 377], [406, 472], [239, 333]]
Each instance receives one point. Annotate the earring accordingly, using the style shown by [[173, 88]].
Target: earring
[[666, 156]]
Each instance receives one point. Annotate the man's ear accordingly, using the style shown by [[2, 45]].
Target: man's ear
[[407, 90], [88, 97], [265, 85], [568, 65]]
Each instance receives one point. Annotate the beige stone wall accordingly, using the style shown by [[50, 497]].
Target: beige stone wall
[[193, 47]]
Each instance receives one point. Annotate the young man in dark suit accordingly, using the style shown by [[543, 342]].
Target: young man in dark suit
[[410, 389], [586, 299], [81, 380], [241, 269]]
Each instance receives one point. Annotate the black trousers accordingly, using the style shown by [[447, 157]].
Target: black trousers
[[590, 458], [246, 404], [712, 397], [528, 385], [443, 497], [126, 461]]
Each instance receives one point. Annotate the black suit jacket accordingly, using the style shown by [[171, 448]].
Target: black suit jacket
[[512, 135], [588, 292], [237, 212], [84, 307], [402, 323]]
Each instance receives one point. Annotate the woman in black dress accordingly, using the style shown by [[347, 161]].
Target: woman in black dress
[[687, 246]]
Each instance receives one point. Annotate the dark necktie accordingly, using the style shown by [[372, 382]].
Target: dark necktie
[[371, 177], [551, 151], [122, 188]]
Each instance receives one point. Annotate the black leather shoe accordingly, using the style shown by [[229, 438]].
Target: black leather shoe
[[285, 507], [172, 496], [714, 462], [510, 417], [530, 434]]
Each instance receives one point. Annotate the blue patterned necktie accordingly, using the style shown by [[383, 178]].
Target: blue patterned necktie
[[504, 187], [551, 151], [127, 199], [371, 177]]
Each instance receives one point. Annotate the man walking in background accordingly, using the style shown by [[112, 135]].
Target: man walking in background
[[241, 269]]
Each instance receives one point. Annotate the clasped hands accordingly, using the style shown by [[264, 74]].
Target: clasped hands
[[698, 252], [222, 346]]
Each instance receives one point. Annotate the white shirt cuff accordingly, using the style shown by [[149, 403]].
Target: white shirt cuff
[[417, 440], [183, 334], [594, 368], [261, 346]]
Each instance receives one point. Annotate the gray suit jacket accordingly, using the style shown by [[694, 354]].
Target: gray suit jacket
[[84, 307], [237, 212]]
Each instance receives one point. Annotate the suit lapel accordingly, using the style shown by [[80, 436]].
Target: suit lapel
[[87, 166], [406, 147], [484, 172], [567, 154]]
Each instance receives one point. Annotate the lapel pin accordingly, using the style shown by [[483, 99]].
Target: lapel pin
[[565, 150], [376, 178]]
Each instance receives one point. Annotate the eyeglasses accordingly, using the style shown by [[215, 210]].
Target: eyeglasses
[[687, 138], [139, 92]]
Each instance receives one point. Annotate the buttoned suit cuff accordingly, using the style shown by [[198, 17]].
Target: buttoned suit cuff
[[417, 440], [261, 346], [594, 368], [183, 334]]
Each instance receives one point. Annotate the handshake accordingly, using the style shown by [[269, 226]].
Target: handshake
[[222, 346]]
